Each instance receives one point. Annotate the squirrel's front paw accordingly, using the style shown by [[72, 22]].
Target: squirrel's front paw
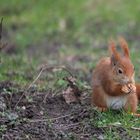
[[130, 88], [125, 89]]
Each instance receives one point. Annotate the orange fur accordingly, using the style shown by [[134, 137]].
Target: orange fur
[[136, 115], [112, 88], [124, 46], [113, 50], [138, 90]]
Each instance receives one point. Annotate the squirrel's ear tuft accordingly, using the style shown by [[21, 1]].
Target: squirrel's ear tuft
[[114, 54], [124, 46], [113, 61]]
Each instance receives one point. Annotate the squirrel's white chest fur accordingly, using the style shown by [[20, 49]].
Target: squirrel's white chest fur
[[116, 102]]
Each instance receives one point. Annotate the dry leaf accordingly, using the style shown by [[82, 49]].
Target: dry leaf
[[73, 93], [69, 95]]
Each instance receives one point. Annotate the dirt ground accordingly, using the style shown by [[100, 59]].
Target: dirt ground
[[45, 117]]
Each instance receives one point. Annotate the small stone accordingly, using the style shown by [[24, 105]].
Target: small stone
[[23, 107], [100, 137], [41, 112]]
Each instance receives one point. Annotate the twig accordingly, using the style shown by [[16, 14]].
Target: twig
[[135, 128], [19, 100], [29, 87], [45, 67], [51, 119], [35, 79], [66, 127], [70, 125], [119, 125], [83, 134], [48, 67], [45, 97]]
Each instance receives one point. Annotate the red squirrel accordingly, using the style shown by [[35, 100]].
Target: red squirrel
[[113, 81]]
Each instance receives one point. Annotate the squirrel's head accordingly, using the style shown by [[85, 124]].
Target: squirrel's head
[[121, 65]]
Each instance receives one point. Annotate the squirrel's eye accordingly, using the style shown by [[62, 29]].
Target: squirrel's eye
[[120, 71]]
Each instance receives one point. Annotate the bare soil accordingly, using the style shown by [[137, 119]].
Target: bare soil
[[43, 117]]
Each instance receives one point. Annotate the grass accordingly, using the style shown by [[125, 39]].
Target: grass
[[57, 20], [82, 28], [112, 121]]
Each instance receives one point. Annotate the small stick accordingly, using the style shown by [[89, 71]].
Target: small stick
[[57, 67], [136, 114], [52, 119], [71, 125], [29, 87], [45, 67], [135, 128], [35, 79]]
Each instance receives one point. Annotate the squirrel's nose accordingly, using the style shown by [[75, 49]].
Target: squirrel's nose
[[127, 80]]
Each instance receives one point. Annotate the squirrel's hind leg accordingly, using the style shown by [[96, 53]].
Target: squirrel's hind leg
[[136, 114], [131, 105], [98, 99]]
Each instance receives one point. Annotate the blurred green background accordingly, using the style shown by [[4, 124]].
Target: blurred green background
[[74, 32]]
